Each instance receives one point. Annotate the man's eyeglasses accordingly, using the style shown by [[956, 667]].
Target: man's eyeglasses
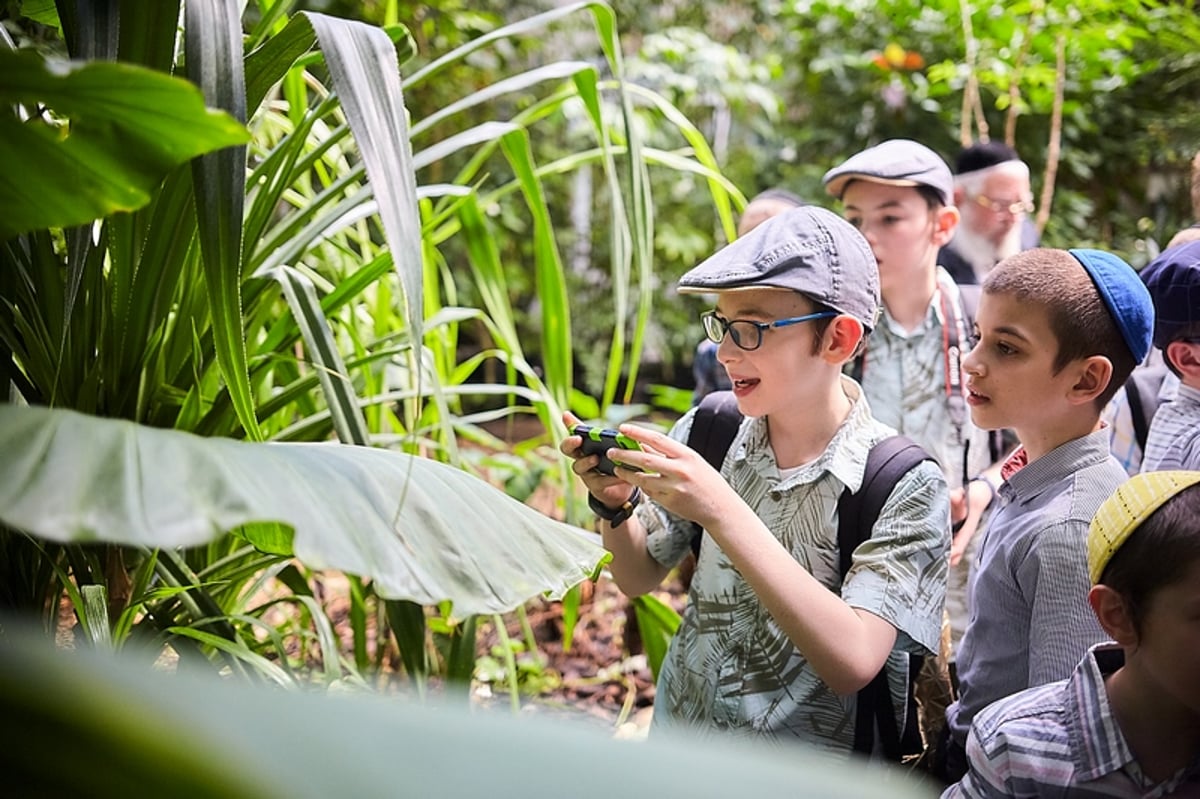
[[1019, 207], [748, 334]]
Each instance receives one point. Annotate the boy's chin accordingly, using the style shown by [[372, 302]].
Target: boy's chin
[[985, 417]]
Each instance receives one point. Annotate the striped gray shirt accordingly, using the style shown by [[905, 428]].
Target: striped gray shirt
[[1030, 620], [1174, 439], [1062, 739], [730, 666]]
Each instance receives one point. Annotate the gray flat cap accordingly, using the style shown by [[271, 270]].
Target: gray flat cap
[[807, 249], [895, 162]]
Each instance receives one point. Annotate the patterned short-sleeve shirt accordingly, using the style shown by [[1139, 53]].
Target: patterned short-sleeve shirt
[[730, 666]]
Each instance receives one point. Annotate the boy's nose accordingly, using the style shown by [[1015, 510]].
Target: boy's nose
[[727, 350], [970, 362]]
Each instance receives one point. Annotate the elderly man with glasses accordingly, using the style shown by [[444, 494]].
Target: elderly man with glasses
[[993, 196]]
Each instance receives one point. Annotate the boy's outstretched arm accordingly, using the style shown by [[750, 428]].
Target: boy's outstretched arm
[[632, 566], [846, 646]]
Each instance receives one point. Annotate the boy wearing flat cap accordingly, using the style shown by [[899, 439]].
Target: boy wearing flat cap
[[1173, 280], [1126, 723], [1059, 332], [773, 643], [899, 194]]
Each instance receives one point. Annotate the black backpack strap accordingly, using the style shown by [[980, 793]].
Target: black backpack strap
[[1141, 388], [888, 461], [714, 426], [1137, 414]]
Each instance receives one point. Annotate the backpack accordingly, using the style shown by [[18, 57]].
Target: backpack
[[714, 426], [1141, 389]]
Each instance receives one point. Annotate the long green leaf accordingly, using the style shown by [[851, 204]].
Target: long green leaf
[[348, 419], [658, 623], [363, 71], [551, 280], [214, 63], [421, 530]]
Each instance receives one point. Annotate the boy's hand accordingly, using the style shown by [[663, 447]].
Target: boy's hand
[[611, 491], [674, 475]]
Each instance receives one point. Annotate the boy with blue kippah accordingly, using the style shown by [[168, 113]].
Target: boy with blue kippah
[[774, 643], [1059, 331], [1126, 723], [1173, 280]]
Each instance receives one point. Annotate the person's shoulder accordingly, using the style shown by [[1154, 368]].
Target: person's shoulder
[[1025, 739], [954, 264], [1034, 713]]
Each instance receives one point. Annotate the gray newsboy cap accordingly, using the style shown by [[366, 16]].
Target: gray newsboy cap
[[807, 249], [895, 162]]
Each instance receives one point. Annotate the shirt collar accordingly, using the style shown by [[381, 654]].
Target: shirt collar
[[1096, 739], [1025, 480], [845, 457]]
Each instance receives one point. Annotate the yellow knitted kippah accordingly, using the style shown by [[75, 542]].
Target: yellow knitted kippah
[[1129, 506]]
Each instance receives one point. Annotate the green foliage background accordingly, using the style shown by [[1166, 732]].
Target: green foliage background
[[513, 253], [784, 89]]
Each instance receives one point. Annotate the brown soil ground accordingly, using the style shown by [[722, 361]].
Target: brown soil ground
[[602, 676]]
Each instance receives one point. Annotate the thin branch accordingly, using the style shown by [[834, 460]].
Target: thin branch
[[1054, 147], [972, 105], [1014, 83]]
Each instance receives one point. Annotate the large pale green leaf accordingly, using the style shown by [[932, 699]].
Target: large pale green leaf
[[86, 724], [422, 530], [128, 127]]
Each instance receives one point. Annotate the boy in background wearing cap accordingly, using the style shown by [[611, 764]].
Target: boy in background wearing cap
[[1059, 331], [992, 192], [1173, 280], [1126, 723], [773, 643], [899, 195]]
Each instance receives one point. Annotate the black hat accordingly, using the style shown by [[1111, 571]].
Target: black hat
[[983, 155]]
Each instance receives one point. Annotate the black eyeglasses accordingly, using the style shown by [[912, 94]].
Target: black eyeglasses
[[748, 334]]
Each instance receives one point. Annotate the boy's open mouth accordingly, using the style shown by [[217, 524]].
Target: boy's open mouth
[[744, 383]]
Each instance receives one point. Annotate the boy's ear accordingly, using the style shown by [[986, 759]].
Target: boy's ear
[[1185, 357], [1092, 377], [842, 338], [1113, 614], [945, 220]]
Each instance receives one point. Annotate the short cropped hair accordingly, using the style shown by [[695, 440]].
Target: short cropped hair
[[1158, 554], [1079, 318]]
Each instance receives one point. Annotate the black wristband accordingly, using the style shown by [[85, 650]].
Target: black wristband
[[615, 516]]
